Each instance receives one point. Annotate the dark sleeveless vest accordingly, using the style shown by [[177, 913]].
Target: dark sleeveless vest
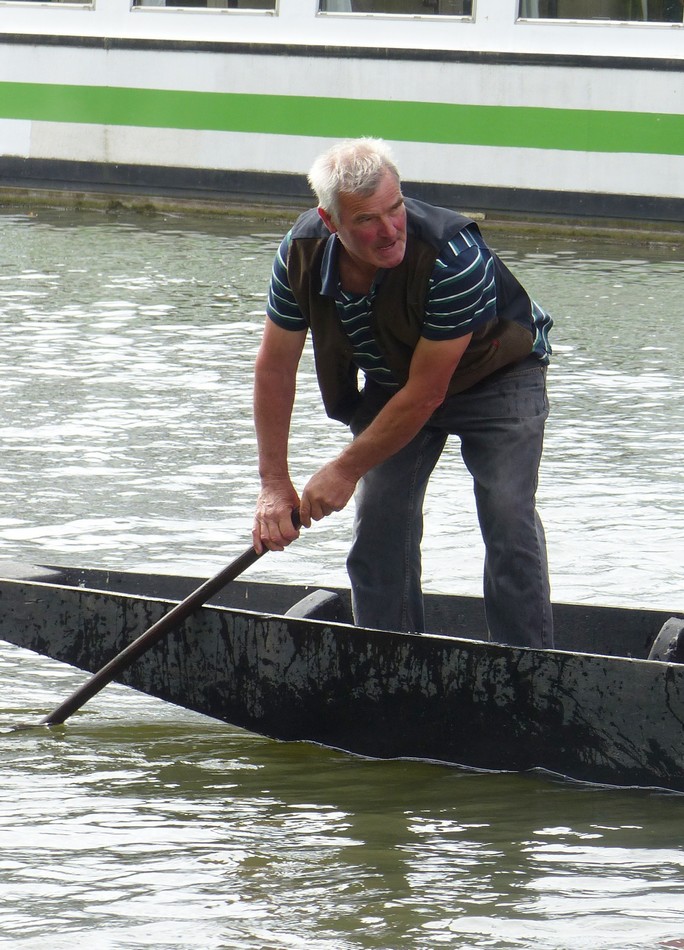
[[399, 309]]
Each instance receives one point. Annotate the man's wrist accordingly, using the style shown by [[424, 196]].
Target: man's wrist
[[269, 480]]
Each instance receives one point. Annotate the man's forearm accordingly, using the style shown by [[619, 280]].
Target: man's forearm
[[273, 401], [333, 485], [399, 421], [402, 418]]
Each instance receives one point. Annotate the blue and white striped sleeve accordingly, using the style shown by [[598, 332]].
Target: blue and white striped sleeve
[[462, 289], [281, 306]]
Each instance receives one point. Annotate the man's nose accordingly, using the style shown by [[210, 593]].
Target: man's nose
[[387, 225]]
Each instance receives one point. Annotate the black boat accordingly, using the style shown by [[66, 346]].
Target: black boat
[[606, 706]]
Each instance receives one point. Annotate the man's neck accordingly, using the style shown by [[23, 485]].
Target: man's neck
[[354, 277]]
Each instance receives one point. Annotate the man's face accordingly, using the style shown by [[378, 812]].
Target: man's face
[[372, 228]]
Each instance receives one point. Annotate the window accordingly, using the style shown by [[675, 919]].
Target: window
[[74, 3], [254, 5], [638, 11], [405, 7]]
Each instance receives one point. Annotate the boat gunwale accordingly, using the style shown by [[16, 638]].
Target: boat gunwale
[[268, 615]]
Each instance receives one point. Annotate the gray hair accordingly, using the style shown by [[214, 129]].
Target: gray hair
[[355, 166]]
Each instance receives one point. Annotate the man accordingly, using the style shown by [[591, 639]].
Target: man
[[449, 343]]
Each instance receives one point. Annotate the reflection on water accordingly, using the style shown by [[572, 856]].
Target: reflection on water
[[127, 346], [126, 418], [142, 826]]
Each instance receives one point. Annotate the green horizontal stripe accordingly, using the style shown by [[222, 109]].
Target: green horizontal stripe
[[444, 123]]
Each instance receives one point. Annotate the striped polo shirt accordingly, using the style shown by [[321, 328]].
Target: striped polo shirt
[[461, 298]]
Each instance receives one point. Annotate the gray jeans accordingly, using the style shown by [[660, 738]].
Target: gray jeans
[[500, 423]]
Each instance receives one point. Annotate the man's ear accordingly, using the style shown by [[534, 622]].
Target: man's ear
[[327, 220]]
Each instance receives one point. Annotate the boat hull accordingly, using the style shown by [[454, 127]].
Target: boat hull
[[595, 718]]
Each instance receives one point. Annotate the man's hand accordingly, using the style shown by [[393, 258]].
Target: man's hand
[[328, 490], [273, 527]]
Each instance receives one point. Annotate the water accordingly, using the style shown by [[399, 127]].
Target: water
[[127, 345]]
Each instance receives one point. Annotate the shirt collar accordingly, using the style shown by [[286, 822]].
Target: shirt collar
[[330, 272]]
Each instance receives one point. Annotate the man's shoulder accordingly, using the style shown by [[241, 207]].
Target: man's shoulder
[[432, 223], [309, 225]]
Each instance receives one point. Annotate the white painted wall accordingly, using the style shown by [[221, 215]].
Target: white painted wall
[[296, 22]]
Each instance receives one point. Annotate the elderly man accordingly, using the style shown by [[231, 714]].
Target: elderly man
[[449, 343]]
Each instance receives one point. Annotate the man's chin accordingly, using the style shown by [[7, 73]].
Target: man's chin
[[392, 257]]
